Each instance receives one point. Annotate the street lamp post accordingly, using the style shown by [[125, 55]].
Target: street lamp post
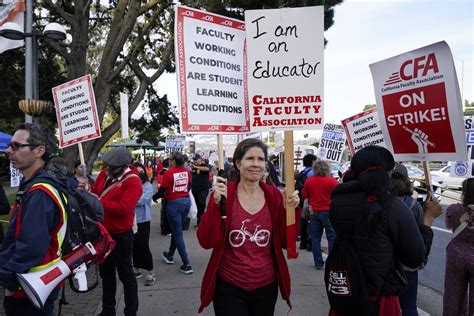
[[13, 31]]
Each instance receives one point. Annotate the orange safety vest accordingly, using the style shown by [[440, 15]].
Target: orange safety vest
[[54, 252]]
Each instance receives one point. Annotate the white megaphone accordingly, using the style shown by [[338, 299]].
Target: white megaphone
[[38, 285]]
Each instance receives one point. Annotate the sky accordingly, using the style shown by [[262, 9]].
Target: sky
[[367, 31]]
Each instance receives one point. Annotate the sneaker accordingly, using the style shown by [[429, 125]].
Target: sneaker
[[186, 269], [319, 267], [167, 258], [150, 279], [138, 275]]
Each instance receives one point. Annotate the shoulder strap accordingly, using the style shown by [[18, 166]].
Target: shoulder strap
[[464, 224], [409, 201], [113, 185]]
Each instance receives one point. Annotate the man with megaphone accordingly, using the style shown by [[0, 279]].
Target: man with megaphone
[[37, 222]]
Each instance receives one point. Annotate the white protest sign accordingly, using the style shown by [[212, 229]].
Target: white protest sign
[[279, 143], [124, 114], [210, 68], [331, 145], [285, 68], [464, 169], [15, 176], [418, 102], [76, 111], [174, 143], [254, 135], [363, 130]]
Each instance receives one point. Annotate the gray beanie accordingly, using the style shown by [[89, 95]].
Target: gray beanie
[[117, 157]]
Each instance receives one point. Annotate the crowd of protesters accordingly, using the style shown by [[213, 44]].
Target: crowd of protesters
[[241, 217]]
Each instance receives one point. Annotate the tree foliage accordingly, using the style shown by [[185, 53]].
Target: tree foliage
[[126, 46], [369, 106]]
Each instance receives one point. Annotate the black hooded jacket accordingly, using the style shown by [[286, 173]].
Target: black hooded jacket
[[393, 237]]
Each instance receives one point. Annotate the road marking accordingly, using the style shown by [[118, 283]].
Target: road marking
[[442, 229]]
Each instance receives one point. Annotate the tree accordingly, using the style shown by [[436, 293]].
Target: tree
[[369, 106], [126, 46], [468, 108]]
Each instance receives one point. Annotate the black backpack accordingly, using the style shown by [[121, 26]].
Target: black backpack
[[84, 211], [299, 184], [345, 281]]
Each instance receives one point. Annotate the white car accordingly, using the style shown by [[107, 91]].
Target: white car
[[417, 176], [451, 182]]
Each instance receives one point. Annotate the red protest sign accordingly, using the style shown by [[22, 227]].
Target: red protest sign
[[419, 104], [412, 113]]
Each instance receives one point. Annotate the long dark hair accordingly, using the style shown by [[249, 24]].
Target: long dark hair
[[371, 166], [468, 192]]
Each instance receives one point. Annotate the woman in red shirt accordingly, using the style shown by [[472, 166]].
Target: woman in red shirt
[[247, 264], [318, 189], [175, 189]]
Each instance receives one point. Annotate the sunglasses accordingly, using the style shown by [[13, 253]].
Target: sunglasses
[[16, 146]]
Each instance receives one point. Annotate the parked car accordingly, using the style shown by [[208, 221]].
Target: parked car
[[451, 182], [418, 177], [336, 170]]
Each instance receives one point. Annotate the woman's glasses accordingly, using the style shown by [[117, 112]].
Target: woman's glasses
[[15, 146]]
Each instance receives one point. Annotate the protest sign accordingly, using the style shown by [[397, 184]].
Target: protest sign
[[124, 115], [285, 68], [331, 145], [15, 176], [210, 63], [174, 143], [76, 111], [464, 169], [279, 144], [363, 130], [419, 104]]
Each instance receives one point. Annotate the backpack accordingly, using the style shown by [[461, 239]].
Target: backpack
[[345, 281], [299, 184], [84, 214], [344, 277]]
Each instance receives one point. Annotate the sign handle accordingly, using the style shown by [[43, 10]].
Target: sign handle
[[220, 151], [426, 169], [81, 157], [291, 228]]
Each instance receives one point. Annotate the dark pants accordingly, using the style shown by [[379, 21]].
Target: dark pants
[[120, 259], [200, 196], [230, 300], [142, 257], [408, 299], [304, 236], [23, 307]]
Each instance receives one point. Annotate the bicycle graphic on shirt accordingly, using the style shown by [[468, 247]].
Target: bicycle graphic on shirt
[[260, 237]]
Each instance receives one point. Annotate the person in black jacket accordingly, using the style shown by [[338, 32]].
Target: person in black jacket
[[4, 209], [386, 235]]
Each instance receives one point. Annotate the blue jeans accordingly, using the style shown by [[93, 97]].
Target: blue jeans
[[408, 299], [318, 222], [177, 211]]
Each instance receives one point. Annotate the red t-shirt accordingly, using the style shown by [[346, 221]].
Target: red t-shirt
[[176, 182], [318, 190], [247, 260]]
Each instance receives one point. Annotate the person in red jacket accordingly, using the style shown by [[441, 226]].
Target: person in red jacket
[[119, 188], [245, 225], [318, 189]]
